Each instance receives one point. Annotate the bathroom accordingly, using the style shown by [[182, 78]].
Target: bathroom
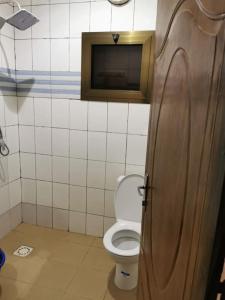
[[70, 155]]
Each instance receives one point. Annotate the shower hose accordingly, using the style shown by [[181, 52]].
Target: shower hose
[[4, 150]]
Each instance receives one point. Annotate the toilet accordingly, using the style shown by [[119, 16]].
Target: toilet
[[122, 240]]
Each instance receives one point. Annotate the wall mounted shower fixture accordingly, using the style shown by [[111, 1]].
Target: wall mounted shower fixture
[[118, 2], [21, 19]]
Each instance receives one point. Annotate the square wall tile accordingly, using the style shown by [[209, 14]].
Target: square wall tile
[[2, 111], [78, 172], [11, 117], [41, 55], [59, 20], [96, 174], [100, 16], [42, 112], [97, 146], [43, 140], [23, 62], [138, 119], [60, 195], [60, 219], [28, 191], [15, 216], [77, 222], [117, 117], [59, 55], [109, 204], [136, 149], [108, 223], [8, 46], [60, 113], [5, 226], [145, 15], [95, 201], [14, 166], [77, 198], [97, 118], [27, 139], [116, 147], [4, 196], [29, 213], [113, 171], [12, 138], [42, 29], [135, 169], [60, 169], [44, 167], [27, 161], [60, 142], [6, 11], [78, 115], [44, 193], [26, 111], [4, 178], [44, 216], [15, 193], [94, 225], [78, 144], [79, 18], [122, 17], [75, 54]]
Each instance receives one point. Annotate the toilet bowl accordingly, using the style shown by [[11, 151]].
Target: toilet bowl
[[122, 240]]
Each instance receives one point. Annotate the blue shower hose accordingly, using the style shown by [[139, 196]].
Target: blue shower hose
[[2, 258]]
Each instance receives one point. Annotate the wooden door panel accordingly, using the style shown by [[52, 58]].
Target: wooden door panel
[[190, 47]]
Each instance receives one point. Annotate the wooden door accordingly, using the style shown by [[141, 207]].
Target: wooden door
[[186, 153]]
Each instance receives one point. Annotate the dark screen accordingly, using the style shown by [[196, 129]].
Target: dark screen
[[116, 67]]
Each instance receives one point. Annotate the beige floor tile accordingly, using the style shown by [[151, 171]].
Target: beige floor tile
[[23, 269], [38, 293], [13, 240], [85, 240], [12, 290], [120, 295], [41, 232], [98, 259], [43, 247], [55, 275], [73, 297], [70, 253], [98, 242], [114, 293], [88, 283]]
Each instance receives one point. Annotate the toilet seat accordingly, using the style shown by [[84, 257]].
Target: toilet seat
[[119, 227]]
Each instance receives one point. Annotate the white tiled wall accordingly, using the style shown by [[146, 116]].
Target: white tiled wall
[[10, 186], [72, 151]]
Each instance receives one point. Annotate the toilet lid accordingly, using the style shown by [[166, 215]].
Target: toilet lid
[[128, 203]]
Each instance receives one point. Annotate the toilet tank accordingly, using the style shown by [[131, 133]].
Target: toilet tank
[[128, 202]]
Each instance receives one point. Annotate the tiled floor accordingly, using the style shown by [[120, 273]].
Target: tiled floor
[[63, 266]]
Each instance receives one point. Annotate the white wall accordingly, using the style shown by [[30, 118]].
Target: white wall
[[10, 186], [72, 151]]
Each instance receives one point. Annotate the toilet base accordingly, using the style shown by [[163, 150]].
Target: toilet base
[[126, 276]]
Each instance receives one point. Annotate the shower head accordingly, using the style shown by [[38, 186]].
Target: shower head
[[22, 19]]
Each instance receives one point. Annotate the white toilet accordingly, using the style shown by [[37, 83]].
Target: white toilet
[[122, 240]]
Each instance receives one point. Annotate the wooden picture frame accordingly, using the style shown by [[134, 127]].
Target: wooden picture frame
[[144, 38]]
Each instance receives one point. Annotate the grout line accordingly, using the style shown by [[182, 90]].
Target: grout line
[[80, 130]]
